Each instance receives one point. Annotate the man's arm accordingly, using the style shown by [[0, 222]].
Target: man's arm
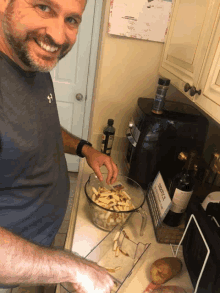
[[95, 159], [22, 262], [70, 142]]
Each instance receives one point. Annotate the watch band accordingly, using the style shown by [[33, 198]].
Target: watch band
[[80, 146]]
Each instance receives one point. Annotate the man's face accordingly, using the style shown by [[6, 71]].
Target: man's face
[[38, 33]]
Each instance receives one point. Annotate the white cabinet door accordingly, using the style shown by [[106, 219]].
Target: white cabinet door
[[209, 100], [188, 37], [70, 77]]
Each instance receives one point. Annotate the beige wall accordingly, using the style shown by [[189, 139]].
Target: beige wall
[[127, 69]]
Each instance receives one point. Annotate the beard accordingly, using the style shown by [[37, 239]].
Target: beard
[[22, 51], [19, 46]]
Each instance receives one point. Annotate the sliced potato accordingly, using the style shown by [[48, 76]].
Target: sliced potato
[[115, 200], [94, 190]]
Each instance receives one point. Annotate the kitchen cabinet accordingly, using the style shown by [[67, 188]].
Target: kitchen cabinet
[[209, 100], [191, 52]]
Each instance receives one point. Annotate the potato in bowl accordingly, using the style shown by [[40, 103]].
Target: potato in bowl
[[110, 205]]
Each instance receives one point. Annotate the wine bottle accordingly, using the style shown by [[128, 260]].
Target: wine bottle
[[108, 138], [181, 189]]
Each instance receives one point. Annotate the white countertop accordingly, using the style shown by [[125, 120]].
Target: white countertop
[[86, 236]]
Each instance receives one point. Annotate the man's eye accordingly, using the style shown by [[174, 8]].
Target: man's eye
[[44, 8], [71, 20]]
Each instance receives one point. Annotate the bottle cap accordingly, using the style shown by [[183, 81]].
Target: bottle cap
[[164, 81], [110, 122]]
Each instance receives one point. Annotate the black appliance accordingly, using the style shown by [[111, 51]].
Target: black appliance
[[195, 249], [155, 141]]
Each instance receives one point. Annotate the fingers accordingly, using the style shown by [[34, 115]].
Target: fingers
[[95, 280], [96, 159], [104, 281], [110, 284], [115, 173], [98, 173], [112, 171]]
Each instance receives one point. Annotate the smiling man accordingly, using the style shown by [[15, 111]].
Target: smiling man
[[40, 33], [34, 183]]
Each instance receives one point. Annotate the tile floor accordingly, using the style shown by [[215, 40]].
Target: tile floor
[[59, 242]]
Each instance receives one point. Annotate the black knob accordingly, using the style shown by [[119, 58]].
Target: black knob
[[187, 87], [193, 91]]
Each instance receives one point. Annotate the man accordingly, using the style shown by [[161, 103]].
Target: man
[[34, 186]]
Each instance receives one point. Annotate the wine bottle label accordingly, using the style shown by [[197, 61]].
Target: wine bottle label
[[103, 143], [110, 141], [180, 200]]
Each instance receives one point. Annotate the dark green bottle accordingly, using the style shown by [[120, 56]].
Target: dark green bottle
[[180, 191], [108, 138]]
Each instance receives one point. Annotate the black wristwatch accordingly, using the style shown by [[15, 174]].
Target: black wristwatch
[[80, 146]]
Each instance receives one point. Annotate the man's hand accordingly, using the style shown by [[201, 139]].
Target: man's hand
[[96, 159], [91, 278], [25, 263]]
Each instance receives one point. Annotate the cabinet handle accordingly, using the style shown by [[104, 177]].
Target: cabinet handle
[[187, 87], [193, 91]]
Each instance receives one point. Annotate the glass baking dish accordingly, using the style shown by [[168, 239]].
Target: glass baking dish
[[120, 267]]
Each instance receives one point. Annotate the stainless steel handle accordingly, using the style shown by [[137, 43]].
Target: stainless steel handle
[[79, 97], [130, 138]]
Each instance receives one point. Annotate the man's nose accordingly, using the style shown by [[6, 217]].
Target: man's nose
[[56, 29]]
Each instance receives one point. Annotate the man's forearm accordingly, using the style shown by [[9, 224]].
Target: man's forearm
[[70, 142], [23, 262], [94, 158]]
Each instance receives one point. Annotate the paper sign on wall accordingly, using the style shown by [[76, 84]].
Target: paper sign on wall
[[143, 19]]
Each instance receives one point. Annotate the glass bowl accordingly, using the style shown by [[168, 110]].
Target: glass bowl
[[108, 213]]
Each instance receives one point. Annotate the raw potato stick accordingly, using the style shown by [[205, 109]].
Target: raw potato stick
[[115, 245], [123, 252], [117, 251], [94, 190], [111, 270], [116, 236]]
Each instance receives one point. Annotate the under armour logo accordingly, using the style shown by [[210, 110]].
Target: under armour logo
[[50, 98]]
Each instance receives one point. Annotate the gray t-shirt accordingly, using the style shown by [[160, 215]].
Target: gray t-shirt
[[34, 183]]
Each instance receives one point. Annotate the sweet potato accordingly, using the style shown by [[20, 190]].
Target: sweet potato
[[165, 269], [169, 289]]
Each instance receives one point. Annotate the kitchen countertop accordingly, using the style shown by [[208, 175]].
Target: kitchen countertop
[[83, 236]]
